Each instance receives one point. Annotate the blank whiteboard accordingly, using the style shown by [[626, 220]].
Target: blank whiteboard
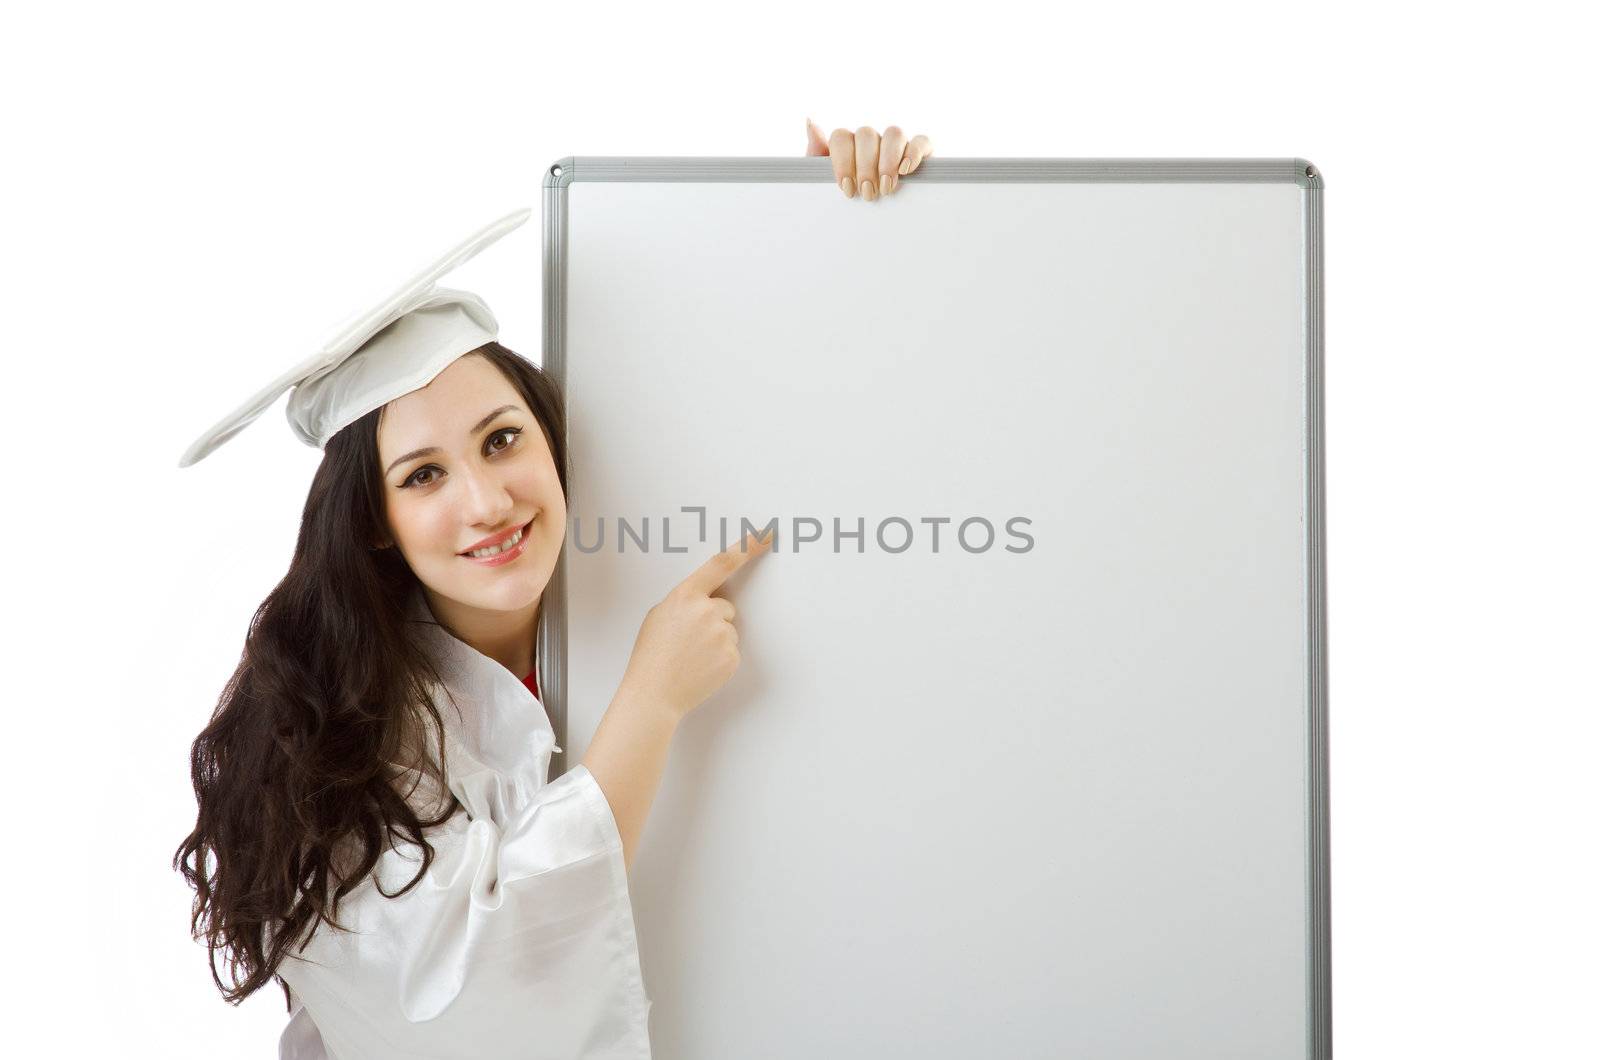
[[1057, 788]]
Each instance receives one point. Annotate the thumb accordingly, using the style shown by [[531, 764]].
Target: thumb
[[815, 143]]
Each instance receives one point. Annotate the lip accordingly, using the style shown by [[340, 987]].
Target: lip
[[494, 539], [505, 557]]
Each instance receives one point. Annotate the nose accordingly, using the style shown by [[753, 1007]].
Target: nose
[[489, 503]]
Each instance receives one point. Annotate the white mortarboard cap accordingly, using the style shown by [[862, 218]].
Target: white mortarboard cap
[[396, 347]]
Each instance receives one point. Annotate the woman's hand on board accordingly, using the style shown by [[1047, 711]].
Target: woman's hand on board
[[688, 647], [865, 160]]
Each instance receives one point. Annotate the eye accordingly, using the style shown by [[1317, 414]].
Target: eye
[[513, 431], [434, 470]]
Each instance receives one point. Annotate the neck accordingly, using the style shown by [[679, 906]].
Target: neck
[[507, 637]]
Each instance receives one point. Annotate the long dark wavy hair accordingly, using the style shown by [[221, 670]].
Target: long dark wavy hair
[[295, 774]]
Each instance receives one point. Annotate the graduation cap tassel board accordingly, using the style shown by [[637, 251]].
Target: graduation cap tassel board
[[395, 347]]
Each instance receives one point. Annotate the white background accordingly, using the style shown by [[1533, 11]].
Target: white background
[[197, 195]]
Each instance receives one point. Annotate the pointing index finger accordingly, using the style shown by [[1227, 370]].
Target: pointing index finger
[[708, 578]]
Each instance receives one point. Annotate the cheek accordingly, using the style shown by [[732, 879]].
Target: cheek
[[544, 486], [421, 528], [555, 505]]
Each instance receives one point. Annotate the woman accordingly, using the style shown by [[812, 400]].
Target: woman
[[375, 829]]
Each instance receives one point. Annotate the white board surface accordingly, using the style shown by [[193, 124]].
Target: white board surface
[[1060, 798]]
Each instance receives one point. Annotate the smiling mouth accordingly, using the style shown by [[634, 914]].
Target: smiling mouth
[[507, 545]]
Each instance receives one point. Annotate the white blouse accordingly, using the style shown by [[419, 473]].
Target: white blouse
[[518, 941]]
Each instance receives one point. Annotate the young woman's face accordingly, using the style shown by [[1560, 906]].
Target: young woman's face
[[490, 472]]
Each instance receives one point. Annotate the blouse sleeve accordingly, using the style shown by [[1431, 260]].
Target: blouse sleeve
[[518, 940]]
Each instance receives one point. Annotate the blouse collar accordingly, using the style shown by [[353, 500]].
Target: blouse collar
[[501, 729]]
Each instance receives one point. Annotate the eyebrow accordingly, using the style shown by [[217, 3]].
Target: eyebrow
[[480, 425]]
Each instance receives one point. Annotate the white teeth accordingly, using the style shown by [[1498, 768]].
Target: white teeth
[[495, 550]]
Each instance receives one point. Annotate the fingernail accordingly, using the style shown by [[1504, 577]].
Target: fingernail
[[868, 192], [848, 186], [889, 183], [905, 167]]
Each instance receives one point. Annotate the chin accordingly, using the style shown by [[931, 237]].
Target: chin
[[513, 594], [511, 590]]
